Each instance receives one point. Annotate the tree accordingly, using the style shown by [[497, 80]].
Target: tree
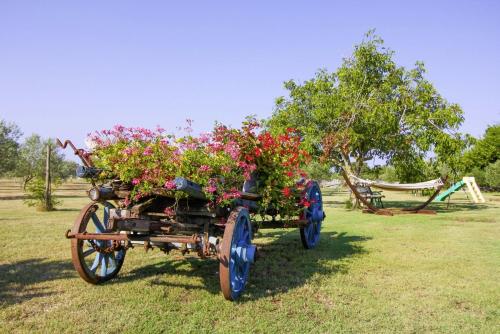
[[484, 151], [492, 174], [371, 108], [9, 135], [319, 171], [31, 161], [31, 167]]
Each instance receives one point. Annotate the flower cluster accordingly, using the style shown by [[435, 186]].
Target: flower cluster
[[221, 161]]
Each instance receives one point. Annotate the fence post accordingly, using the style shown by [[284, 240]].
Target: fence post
[[48, 195]]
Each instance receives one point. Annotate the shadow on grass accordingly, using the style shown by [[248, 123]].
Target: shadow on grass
[[283, 265], [439, 207], [68, 209], [333, 202], [17, 279], [18, 197]]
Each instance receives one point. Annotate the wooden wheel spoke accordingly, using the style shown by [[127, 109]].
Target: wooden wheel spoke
[[106, 215], [96, 262], [88, 252], [104, 265], [98, 225], [112, 262]]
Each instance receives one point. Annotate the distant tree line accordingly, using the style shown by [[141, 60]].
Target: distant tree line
[[26, 160]]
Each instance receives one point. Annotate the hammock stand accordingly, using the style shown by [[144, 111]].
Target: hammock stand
[[437, 184]]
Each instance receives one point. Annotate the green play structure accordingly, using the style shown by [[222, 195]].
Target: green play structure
[[472, 188], [457, 186]]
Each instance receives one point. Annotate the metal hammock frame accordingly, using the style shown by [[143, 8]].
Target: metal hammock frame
[[437, 184]]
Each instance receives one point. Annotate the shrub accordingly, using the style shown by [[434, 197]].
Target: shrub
[[492, 174], [36, 195]]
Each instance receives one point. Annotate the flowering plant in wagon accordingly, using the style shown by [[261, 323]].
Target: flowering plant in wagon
[[220, 161]]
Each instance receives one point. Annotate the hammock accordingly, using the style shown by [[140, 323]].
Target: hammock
[[431, 184], [437, 184]]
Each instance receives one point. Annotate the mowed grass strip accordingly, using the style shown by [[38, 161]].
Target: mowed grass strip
[[408, 273]]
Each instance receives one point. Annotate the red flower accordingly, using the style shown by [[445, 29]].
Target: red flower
[[286, 191], [257, 152]]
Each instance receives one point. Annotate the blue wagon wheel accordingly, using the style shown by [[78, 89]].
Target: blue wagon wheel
[[314, 214], [236, 253], [94, 260]]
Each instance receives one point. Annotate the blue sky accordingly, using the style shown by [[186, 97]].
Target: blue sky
[[68, 67]]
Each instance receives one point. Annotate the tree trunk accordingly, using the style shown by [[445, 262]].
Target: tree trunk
[[26, 179], [359, 165], [48, 195]]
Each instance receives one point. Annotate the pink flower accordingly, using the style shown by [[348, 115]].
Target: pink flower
[[136, 181], [127, 151], [204, 168], [231, 194], [119, 128], [169, 212], [170, 185], [232, 149], [148, 150], [126, 201], [212, 186], [189, 125]]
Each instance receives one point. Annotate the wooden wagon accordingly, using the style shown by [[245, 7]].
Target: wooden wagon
[[106, 227]]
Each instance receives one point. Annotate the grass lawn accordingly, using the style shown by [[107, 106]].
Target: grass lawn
[[409, 273]]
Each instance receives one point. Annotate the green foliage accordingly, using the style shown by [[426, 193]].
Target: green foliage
[[36, 191], [484, 151], [479, 175], [31, 160], [9, 134], [388, 174], [66, 169], [492, 174], [318, 171], [371, 108], [348, 204]]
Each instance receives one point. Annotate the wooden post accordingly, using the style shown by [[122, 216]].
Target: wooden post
[[48, 195]]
